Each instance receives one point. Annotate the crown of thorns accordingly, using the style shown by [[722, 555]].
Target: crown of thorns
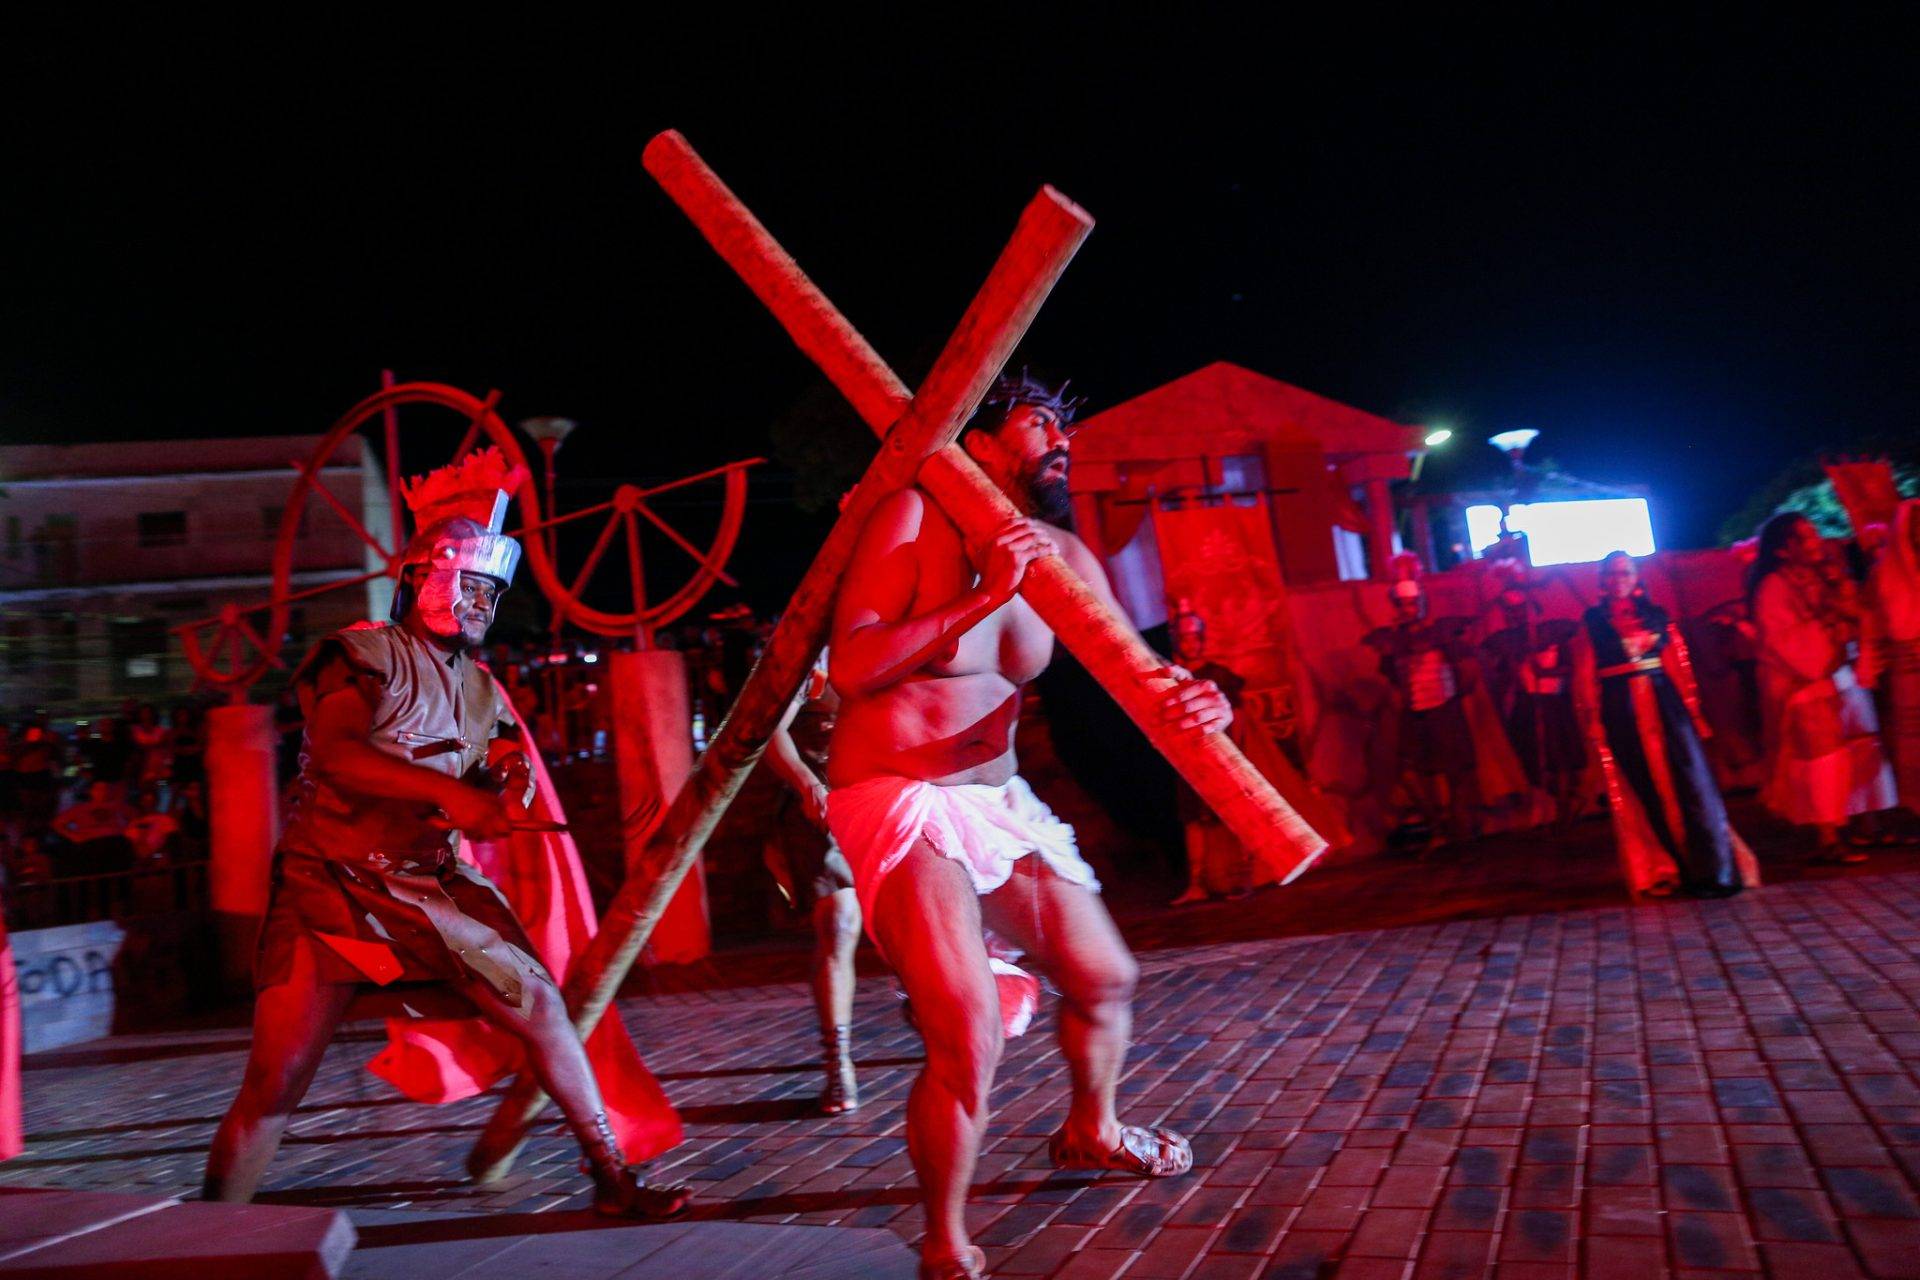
[[1010, 392]]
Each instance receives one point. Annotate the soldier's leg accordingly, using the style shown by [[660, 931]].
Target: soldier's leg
[[292, 1023], [558, 1059]]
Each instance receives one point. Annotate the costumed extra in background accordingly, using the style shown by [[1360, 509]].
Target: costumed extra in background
[[1822, 734], [1218, 865], [814, 877], [1448, 731], [1890, 654], [1636, 695], [1528, 665]]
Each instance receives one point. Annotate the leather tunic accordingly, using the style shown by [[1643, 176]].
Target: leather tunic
[[431, 708]]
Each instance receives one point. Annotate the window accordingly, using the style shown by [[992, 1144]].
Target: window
[[19, 644], [163, 528], [56, 551], [139, 652]]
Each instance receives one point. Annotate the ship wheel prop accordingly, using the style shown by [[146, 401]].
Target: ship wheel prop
[[233, 649]]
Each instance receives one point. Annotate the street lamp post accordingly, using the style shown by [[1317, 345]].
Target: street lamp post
[[1514, 444], [550, 434]]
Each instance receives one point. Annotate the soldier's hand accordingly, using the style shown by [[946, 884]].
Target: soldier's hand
[[478, 814], [1196, 705], [513, 776], [1003, 560]]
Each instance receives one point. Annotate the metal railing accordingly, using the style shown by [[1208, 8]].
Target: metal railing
[[142, 891]]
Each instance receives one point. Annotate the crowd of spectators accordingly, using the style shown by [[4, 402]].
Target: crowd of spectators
[[101, 795], [559, 690], [126, 791]]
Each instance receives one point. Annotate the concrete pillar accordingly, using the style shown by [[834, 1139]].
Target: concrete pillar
[[653, 752], [1379, 526], [243, 801]]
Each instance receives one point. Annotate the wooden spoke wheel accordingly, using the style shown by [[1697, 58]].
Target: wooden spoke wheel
[[623, 517], [238, 646], [235, 648]]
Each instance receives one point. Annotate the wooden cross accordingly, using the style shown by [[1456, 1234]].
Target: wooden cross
[[918, 430]]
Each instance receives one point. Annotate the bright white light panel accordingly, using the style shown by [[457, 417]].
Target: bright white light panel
[[1572, 532]]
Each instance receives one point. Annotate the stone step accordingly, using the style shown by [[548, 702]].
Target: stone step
[[403, 1245], [61, 1234]]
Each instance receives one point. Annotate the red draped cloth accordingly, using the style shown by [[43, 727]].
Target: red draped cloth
[[445, 1060]]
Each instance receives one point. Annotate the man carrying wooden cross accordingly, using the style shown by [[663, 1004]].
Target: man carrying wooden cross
[[931, 648]]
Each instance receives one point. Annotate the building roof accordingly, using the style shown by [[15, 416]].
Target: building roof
[[157, 458], [1233, 405]]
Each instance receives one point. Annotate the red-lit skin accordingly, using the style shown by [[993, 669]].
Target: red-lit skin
[[1805, 547], [931, 646], [294, 1020], [836, 915]]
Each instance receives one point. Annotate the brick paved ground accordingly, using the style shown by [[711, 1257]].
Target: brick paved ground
[[1693, 1088]]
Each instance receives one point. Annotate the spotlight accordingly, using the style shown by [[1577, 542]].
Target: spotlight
[[1438, 436]]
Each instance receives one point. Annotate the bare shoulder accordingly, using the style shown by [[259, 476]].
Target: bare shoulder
[[896, 518], [1075, 551], [908, 515]]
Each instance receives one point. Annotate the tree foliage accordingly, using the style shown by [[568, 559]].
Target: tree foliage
[[1804, 487]]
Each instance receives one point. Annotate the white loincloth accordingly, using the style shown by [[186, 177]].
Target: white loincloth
[[984, 829]]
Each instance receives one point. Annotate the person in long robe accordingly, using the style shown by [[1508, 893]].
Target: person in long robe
[[1822, 733], [1890, 650], [1636, 696]]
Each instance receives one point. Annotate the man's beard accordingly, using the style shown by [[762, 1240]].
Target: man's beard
[[1047, 495]]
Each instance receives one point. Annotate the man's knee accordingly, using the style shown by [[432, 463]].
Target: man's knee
[[540, 1014], [963, 1050], [546, 1006], [839, 917], [1109, 977], [270, 1088]]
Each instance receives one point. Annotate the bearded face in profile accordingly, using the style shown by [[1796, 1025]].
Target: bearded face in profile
[[1026, 455]]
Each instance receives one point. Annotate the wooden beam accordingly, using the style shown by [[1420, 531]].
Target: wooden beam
[[1107, 646]]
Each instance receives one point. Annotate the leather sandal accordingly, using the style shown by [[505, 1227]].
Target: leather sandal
[[1148, 1153], [618, 1189], [628, 1196], [969, 1264]]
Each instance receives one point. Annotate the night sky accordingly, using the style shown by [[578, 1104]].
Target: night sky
[[1682, 251]]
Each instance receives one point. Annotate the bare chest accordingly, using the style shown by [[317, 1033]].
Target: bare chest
[[1011, 641]]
